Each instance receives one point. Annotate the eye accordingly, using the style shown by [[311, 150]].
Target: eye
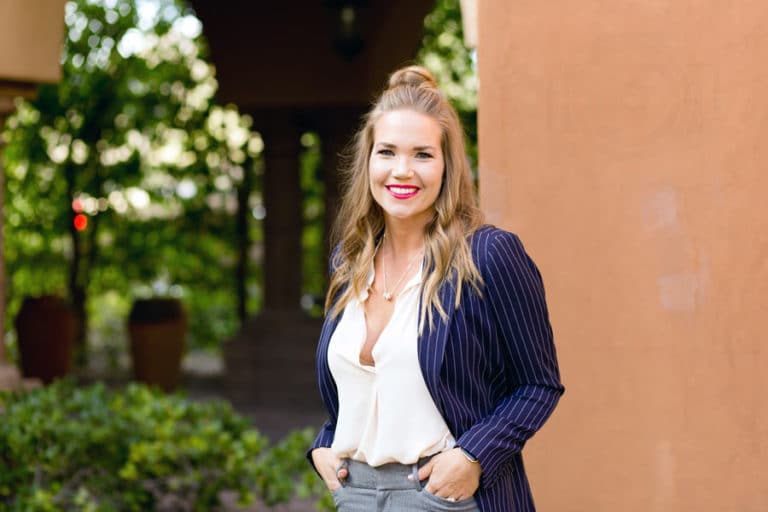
[[423, 155], [385, 152]]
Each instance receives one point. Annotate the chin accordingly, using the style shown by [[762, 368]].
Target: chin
[[404, 216]]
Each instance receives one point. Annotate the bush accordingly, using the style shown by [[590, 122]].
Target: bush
[[68, 448], [284, 472]]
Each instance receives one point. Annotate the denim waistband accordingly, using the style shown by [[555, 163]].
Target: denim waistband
[[391, 476]]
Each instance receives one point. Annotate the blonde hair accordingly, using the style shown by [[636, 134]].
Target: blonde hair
[[360, 221]]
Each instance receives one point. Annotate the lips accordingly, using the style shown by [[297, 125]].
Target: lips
[[402, 191]]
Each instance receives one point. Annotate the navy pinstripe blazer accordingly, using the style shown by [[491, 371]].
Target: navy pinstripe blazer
[[491, 368]]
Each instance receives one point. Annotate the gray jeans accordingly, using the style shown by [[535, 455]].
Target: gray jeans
[[387, 489]]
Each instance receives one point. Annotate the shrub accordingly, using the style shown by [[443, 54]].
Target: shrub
[[284, 472], [69, 448]]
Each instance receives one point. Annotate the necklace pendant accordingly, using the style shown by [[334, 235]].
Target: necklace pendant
[[387, 296]]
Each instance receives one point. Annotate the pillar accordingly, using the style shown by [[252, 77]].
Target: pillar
[[336, 129], [270, 363], [282, 201]]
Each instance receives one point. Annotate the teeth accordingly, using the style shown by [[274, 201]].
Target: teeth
[[402, 190]]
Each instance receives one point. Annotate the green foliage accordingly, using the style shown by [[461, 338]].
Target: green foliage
[[132, 137], [313, 232], [285, 472], [443, 52], [67, 448]]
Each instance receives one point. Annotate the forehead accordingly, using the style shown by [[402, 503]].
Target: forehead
[[407, 128]]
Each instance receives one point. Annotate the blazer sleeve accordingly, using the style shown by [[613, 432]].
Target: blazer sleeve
[[324, 438], [514, 294], [328, 393], [326, 384]]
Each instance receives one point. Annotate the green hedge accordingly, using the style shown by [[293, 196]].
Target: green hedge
[[68, 448]]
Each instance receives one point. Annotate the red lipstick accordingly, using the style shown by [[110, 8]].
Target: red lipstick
[[402, 191]]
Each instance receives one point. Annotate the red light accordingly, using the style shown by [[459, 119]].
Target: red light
[[77, 205], [81, 222]]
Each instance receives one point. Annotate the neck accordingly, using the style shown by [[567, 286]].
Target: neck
[[404, 241]]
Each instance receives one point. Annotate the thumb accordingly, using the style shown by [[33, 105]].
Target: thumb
[[426, 469]]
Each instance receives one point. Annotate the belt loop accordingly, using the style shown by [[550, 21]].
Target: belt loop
[[415, 475]]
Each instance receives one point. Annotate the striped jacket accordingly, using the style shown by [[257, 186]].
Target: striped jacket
[[491, 368]]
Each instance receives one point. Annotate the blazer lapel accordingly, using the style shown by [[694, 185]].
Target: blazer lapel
[[431, 344]]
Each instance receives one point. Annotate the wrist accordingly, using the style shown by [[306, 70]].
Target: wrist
[[468, 455]]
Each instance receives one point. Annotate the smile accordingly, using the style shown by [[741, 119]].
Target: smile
[[402, 191]]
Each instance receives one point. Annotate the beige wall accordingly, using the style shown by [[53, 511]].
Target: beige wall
[[627, 143], [31, 32]]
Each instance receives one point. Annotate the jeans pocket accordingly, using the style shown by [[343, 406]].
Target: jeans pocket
[[444, 504]]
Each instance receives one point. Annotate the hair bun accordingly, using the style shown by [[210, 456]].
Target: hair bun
[[413, 76]]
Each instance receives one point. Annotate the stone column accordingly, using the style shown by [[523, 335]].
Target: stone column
[[336, 129], [270, 363], [282, 201]]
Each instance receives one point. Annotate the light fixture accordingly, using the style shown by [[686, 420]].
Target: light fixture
[[347, 32]]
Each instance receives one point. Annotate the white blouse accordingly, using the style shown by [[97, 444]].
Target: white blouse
[[386, 413]]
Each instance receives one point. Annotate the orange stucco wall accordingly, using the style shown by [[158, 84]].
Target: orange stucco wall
[[627, 143]]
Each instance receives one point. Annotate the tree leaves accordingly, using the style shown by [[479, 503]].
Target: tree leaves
[[128, 122]]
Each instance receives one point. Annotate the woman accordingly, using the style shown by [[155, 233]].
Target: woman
[[436, 360]]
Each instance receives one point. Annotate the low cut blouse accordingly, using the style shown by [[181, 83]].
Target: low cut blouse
[[386, 413]]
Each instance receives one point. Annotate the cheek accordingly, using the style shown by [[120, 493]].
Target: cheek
[[378, 174]]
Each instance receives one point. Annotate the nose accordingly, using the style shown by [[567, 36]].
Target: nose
[[402, 168]]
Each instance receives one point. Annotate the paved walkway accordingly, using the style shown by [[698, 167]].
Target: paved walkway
[[230, 505], [274, 421]]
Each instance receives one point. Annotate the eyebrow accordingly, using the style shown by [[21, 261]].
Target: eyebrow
[[415, 148]]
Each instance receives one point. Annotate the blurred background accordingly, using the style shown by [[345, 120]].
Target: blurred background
[[142, 172]]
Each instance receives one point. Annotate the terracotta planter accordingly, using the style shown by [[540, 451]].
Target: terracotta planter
[[46, 335], [157, 328]]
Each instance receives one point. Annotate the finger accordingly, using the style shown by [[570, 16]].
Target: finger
[[439, 491], [443, 492], [342, 473], [426, 469]]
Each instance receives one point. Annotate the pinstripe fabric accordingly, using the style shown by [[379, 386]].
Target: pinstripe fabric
[[491, 368]]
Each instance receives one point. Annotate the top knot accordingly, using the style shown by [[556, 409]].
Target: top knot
[[413, 76]]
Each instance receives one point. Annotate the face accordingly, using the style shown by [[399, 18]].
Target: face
[[406, 166]]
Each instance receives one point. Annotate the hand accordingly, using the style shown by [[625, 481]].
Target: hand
[[329, 467], [451, 475]]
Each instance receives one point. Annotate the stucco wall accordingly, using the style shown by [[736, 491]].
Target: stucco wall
[[31, 33], [627, 143]]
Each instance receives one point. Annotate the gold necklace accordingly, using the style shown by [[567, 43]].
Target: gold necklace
[[387, 294]]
